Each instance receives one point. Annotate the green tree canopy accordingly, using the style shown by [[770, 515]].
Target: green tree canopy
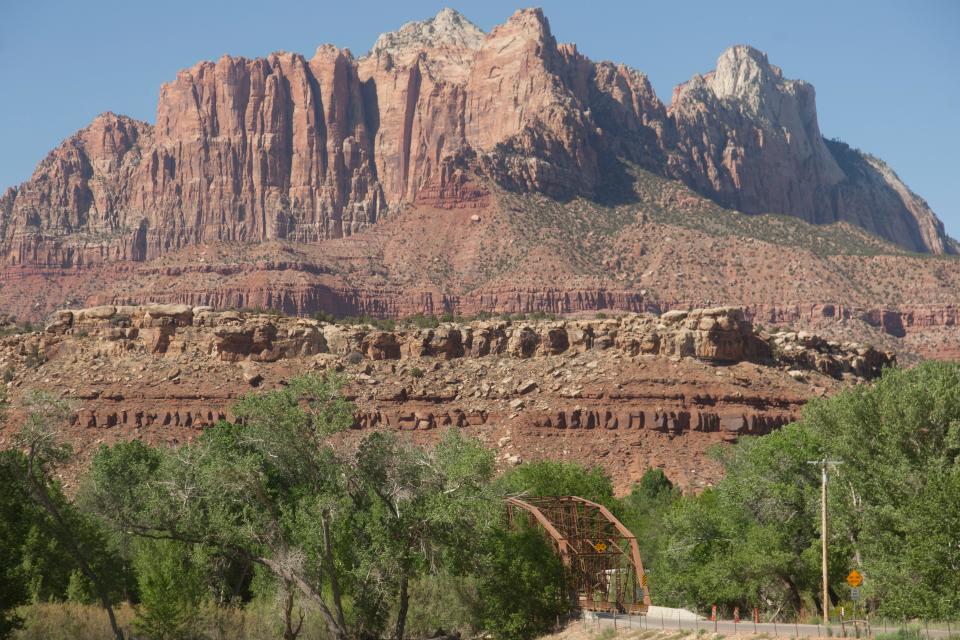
[[894, 505]]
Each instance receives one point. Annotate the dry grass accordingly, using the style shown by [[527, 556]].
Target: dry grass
[[66, 621]]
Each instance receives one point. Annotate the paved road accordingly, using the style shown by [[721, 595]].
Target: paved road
[[728, 627]]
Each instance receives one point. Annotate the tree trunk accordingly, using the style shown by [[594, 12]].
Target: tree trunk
[[337, 631], [332, 573], [402, 608], [795, 596], [289, 631]]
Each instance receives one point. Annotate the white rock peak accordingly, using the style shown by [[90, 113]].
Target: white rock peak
[[742, 70], [447, 29]]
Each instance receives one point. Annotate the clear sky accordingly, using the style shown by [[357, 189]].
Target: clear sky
[[887, 73]]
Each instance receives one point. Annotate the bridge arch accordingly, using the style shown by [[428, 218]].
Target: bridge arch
[[601, 556]]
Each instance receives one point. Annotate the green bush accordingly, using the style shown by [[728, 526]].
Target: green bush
[[423, 321], [79, 589], [551, 478], [443, 602], [522, 590]]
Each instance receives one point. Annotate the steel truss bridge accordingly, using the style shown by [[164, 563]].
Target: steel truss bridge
[[602, 561]]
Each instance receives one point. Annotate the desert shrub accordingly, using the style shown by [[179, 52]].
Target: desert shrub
[[422, 321], [541, 315], [324, 316], [258, 310], [35, 360]]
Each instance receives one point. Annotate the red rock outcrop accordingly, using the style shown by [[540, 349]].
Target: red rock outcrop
[[627, 393], [721, 335]]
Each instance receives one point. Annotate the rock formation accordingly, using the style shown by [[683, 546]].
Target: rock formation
[[290, 148], [719, 335], [749, 138], [627, 393]]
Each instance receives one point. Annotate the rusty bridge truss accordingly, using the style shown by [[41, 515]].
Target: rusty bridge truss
[[601, 557]]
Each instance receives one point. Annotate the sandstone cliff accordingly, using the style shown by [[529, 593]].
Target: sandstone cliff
[[749, 138], [305, 150]]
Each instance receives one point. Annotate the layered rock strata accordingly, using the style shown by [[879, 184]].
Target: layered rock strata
[[720, 335], [626, 393]]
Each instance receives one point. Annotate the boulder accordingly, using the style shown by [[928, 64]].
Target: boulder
[[180, 314], [381, 345]]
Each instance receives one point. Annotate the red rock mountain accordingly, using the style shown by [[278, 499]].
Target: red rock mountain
[[302, 149]]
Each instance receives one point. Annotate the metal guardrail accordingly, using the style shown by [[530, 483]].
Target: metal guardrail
[[845, 628]]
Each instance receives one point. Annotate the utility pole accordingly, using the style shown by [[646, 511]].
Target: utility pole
[[824, 465]]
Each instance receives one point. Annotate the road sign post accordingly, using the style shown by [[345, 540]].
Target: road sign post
[[854, 579]]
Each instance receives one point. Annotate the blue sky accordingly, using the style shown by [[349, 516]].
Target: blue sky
[[887, 74]]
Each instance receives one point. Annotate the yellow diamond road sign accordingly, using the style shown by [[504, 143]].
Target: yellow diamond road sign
[[600, 547], [854, 579]]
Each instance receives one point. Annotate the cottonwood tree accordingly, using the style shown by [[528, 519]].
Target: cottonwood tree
[[896, 498], [270, 488], [338, 530], [16, 517], [894, 505], [753, 540], [418, 510]]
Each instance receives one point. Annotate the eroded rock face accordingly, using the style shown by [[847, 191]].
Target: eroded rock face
[[626, 393], [718, 335], [749, 138], [286, 147]]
